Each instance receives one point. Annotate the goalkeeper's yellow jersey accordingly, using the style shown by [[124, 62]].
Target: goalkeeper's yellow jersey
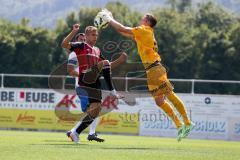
[[146, 43]]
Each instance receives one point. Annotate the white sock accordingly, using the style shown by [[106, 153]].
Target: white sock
[[93, 126], [73, 130], [113, 91]]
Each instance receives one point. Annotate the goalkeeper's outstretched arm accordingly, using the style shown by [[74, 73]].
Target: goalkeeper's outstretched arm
[[127, 35], [124, 30]]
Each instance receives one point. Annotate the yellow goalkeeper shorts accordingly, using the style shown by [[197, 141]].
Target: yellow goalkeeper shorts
[[158, 83]]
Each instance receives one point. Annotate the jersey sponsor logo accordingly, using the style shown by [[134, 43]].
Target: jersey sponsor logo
[[72, 62]]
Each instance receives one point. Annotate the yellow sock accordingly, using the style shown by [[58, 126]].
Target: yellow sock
[[178, 104], [169, 111]]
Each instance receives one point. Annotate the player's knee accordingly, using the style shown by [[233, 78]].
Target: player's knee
[[160, 101], [103, 64], [106, 62], [94, 109]]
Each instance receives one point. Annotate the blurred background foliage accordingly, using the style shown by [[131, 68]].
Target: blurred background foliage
[[200, 43]]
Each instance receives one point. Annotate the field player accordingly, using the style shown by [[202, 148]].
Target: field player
[[91, 63], [73, 65]]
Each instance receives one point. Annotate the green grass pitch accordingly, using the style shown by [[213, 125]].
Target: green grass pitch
[[22, 145]]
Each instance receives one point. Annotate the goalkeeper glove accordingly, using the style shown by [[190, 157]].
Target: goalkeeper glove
[[105, 15]]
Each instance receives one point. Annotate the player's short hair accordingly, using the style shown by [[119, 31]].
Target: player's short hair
[[89, 29], [151, 19], [79, 34]]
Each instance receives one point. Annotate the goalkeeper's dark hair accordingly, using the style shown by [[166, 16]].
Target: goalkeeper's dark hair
[[151, 19], [77, 35]]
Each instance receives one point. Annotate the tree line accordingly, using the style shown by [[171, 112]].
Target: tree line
[[203, 43]]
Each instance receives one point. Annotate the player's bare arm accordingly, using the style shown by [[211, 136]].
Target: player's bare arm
[[120, 60], [130, 36], [121, 28], [67, 40], [71, 71]]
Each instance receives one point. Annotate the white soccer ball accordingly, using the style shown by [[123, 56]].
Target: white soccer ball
[[99, 22]]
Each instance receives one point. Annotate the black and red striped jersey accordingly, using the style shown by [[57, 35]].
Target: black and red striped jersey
[[86, 55]]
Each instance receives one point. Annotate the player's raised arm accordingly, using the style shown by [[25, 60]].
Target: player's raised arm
[[119, 27], [127, 35], [67, 40]]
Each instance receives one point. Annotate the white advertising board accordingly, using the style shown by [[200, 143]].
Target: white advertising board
[[216, 117]]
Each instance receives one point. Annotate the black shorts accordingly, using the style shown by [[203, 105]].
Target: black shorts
[[92, 87]]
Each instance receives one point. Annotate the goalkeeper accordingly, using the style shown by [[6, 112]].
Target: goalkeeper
[[158, 83]]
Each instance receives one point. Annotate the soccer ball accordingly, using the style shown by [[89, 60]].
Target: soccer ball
[[100, 23]]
